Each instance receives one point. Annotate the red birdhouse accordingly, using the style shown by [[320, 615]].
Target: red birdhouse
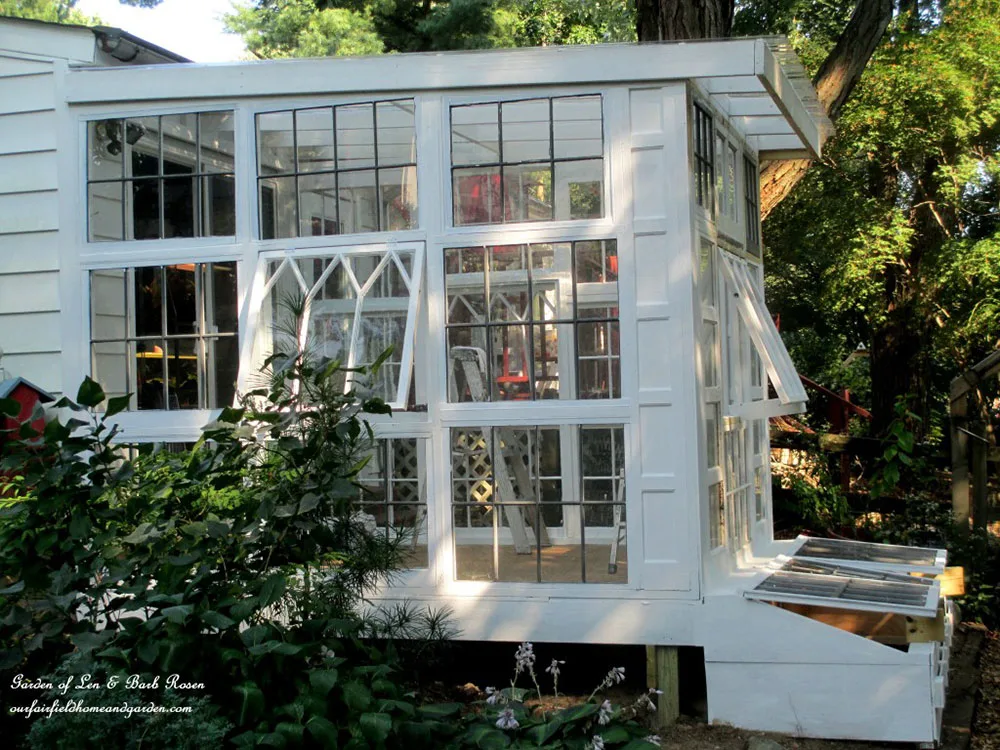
[[27, 394]]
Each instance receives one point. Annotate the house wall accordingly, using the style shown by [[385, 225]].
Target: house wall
[[29, 221]]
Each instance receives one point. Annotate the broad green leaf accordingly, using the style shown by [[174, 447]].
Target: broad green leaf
[[217, 620], [179, 613], [323, 731], [439, 710], [376, 726], [356, 696], [88, 641], [251, 702], [323, 680], [90, 393], [273, 589], [117, 404], [10, 407], [16, 588]]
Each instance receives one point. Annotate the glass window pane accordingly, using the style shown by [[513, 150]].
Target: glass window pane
[[109, 367], [179, 195], [713, 433], [219, 206], [527, 192], [720, 171], [546, 360], [477, 196], [182, 295], [108, 319], [709, 353], [275, 143], [142, 135], [475, 134], [716, 516], [314, 139], [318, 205], [577, 127], [182, 369], [105, 217], [398, 198], [217, 142], [358, 202], [355, 136], [596, 262], [278, 214], [706, 273], [145, 196], [149, 371], [397, 140], [222, 364], [526, 133], [105, 153], [579, 192], [148, 304], [731, 182], [510, 362]]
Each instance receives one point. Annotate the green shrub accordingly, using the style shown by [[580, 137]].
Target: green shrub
[[240, 564]]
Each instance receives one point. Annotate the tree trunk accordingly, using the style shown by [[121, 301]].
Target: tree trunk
[[834, 82], [662, 20]]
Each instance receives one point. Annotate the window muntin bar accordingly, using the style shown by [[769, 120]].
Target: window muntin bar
[[337, 170], [540, 319], [539, 504], [704, 159], [166, 334], [161, 176], [528, 160]]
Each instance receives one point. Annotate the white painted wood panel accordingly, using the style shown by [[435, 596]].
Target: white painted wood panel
[[29, 292], [29, 212], [41, 369], [29, 172], [36, 251], [18, 66], [836, 701], [30, 93], [30, 333], [27, 131]]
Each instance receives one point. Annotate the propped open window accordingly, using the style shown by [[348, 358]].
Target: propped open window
[[767, 344], [827, 584], [346, 304]]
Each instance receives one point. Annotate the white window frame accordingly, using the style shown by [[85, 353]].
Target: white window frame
[[749, 302], [390, 252]]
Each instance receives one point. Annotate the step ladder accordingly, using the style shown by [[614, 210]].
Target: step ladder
[[619, 522], [522, 520]]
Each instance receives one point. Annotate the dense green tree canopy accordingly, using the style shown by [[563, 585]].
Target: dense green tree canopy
[[893, 241], [54, 11]]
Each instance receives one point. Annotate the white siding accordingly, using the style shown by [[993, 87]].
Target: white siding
[[29, 219]]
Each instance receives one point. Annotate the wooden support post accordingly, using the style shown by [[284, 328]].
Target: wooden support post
[[960, 459], [980, 483], [662, 674]]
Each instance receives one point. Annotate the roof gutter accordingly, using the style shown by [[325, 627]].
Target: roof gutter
[[126, 47]]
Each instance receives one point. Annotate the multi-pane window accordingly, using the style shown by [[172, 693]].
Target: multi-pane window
[[751, 191], [349, 306], [527, 160], [528, 322], [166, 334], [704, 159], [392, 495], [337, 170], [539, 504], [725, 162], [161, 176]]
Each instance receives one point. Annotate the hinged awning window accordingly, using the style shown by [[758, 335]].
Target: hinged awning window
[[766, 341], [797, 581], [353, 303], [896, 558]]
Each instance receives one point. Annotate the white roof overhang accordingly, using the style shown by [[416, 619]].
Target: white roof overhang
[[759, 82]]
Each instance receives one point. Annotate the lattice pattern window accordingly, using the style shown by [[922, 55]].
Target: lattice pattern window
[[393, 496], [704, 160], [166, 334], [161, 176], [539, 504], [354, 305], [751, 181], [533, 322], [337, 170], [528, 160]]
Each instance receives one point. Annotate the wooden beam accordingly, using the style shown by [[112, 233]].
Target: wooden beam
[[925, 629], [958, 409], [662, 674]]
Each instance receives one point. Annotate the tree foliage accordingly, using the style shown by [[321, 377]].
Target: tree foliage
[[305, 28], [53, 11], [892, 242]]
